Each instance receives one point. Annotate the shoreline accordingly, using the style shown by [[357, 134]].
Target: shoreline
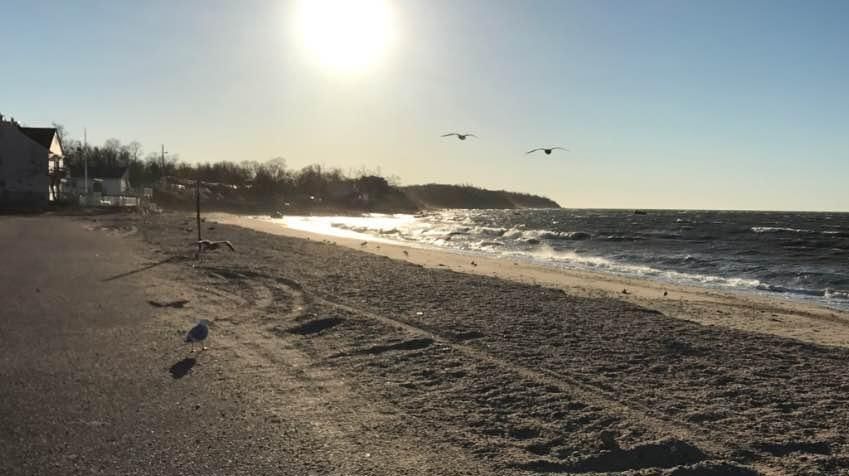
[[750, 312], [325, 359]]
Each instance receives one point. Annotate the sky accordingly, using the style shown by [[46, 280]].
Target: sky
[[662, 104]]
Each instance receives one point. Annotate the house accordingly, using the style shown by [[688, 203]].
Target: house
[[107, 181], [31, 165], [103, 186]]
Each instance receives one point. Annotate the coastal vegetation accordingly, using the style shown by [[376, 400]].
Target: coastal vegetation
[[271, 186], [436, 195]]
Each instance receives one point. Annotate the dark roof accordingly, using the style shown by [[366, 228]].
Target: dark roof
[[101, 172], [41, 135]]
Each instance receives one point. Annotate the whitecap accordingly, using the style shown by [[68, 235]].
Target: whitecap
[[778, 229]]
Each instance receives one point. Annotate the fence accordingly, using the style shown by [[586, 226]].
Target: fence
[[95, 199]]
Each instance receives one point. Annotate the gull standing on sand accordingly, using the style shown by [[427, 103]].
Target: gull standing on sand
[[459, 136], [547, 150], [198, 333]]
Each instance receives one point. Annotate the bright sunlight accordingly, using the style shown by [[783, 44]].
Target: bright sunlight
[[345, 35]]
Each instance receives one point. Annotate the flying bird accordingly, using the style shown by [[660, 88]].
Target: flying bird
[[459, 136], [198, 333], [214, 245], [546, 150]]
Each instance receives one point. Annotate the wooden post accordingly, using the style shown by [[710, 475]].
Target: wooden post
[[197, 207]]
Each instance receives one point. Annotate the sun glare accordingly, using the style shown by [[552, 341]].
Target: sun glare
[[345, 35]]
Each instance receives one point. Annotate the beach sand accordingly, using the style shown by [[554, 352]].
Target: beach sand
[[328, 360], [769, 315]]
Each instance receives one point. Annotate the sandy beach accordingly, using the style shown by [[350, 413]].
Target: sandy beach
[[776, 316], [327, 357]]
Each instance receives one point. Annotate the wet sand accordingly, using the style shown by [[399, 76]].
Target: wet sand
[[329, 360]]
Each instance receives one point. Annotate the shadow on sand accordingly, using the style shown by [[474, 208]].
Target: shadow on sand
[[144, 268], [179, 304], [181, 368]]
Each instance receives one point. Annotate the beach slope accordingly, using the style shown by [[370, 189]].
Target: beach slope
[[328, 360]]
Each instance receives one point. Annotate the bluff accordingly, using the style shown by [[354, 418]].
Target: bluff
[[434, 195]]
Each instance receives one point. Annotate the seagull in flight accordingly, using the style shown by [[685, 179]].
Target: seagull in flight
[[198, 333], [546, 150], [459, 136]]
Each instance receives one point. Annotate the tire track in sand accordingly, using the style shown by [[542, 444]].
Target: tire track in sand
[[337, 418], [587, 392], [267, 290]]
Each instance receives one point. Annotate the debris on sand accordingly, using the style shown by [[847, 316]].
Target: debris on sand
[[178, 304], [207, 245]]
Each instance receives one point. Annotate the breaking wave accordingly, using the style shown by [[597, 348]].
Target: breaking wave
[[779, 254]]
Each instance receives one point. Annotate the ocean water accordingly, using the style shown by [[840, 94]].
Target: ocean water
[[802, 256]]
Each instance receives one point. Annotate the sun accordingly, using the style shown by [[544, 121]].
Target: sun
[[345, 35]]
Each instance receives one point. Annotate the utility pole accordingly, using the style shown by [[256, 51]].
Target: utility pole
[[162, 162], [85, 159], [197, 207]]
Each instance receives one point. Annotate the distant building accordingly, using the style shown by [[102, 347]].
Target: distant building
[[31, 165], [107, 186], [103, 180]]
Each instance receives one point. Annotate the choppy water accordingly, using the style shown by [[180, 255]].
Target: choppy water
[[794, 255]]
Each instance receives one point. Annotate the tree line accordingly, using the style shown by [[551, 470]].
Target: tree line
[[265, 182], [270, 185]]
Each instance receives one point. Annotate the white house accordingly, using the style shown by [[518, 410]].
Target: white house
[[107, 181], [31, 165]]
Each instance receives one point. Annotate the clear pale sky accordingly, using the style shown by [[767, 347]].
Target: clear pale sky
[[664, 104]]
